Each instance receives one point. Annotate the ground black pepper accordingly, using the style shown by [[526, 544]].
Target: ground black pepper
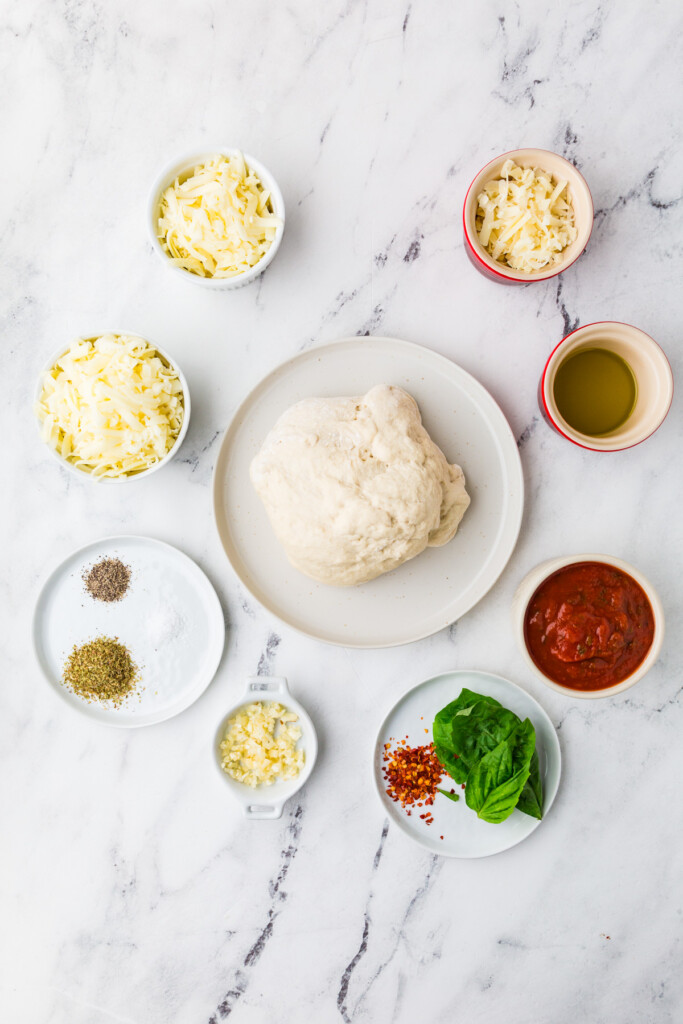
[[107, 580]]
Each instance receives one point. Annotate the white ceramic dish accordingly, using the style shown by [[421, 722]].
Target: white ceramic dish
[[181, 167], [268, 801], [464, 834], [530, 585], [425, 594], [81, 473], [651, 368], [170, 620], [580, 197]]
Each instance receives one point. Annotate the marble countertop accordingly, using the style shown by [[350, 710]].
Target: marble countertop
[[132, 889]]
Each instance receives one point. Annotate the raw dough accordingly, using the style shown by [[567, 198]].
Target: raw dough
[[354, 487]]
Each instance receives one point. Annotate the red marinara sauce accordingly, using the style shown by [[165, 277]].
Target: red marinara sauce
[[589, 626]]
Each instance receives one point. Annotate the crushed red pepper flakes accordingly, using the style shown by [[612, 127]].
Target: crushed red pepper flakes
[[411, 775]]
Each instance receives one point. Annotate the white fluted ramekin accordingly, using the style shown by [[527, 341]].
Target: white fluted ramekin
[[181, 167], [171, 453]]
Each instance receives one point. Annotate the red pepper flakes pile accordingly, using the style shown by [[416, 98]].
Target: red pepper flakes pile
[[412, 775]]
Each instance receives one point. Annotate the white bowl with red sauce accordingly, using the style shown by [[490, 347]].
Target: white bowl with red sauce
[[600, 618]]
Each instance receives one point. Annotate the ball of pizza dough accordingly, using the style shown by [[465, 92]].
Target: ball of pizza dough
[[354, 487]]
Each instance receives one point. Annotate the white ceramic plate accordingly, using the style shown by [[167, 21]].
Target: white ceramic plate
[[170, 620], [267, 801], [464, 834], [434, 589]]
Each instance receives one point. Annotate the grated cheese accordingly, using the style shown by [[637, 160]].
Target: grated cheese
[[111, 406], [259, 746], [219, 221], [525, 218]]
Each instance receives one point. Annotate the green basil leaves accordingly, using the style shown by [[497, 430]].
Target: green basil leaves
[[451, 796], [481, 743]]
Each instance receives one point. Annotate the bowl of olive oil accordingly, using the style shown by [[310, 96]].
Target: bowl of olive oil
[[607, 386]]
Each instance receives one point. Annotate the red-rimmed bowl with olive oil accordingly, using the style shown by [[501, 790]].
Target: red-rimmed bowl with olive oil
[[606, 386]]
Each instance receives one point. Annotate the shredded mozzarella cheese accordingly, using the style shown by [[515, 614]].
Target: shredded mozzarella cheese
[[260, 745], [111, 406], [525, 218], [219, 221]]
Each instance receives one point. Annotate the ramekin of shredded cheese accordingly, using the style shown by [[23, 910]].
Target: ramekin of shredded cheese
[[216, 217], [527, 216], [112, 406], [266, 747]]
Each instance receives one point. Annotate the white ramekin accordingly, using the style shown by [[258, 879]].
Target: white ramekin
[[157, 465], [654, 381], [268, 801], [581, 199], [182, 166], [533, 580]]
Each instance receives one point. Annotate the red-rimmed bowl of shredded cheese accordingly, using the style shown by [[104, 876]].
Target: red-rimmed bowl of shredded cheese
[[112, 406], [216, 218], [527, 216]]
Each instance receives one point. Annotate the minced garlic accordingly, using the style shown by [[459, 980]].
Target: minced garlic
[[260, 745], [525, 218]]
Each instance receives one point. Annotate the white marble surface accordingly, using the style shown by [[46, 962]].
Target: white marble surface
[[131, 888]]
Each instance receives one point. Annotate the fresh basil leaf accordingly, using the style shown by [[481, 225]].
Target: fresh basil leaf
[[495, 784], [446, 752], [451, 796], [467, 698], [531, 799], [443, 749], [500, 801], [483, 729]]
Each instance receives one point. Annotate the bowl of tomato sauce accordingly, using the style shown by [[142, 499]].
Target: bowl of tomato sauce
[[588, 625]]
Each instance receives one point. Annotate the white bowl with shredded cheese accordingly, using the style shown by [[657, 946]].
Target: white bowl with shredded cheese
[[265, 747], [112, 407], [527, 216], [216, 218]]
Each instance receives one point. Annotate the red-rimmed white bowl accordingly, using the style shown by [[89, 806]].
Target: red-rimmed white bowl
[[533, 580], [654, 383], [580, 197]]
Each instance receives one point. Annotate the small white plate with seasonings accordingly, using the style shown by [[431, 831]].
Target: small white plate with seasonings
[[267, 801], [464, 834], [169, 619]]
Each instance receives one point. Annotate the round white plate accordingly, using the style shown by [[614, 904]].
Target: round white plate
[[170, 620], [464, 834], [428, 592]]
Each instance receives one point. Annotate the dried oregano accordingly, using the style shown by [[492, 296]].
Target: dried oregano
[[101, 670]]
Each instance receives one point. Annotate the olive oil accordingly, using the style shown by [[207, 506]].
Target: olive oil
[[595, 391]]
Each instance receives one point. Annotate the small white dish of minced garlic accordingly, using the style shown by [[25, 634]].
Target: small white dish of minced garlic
[[265, 747], [216, 218]]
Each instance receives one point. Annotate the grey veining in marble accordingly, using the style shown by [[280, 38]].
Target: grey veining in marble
[[132, 890]]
